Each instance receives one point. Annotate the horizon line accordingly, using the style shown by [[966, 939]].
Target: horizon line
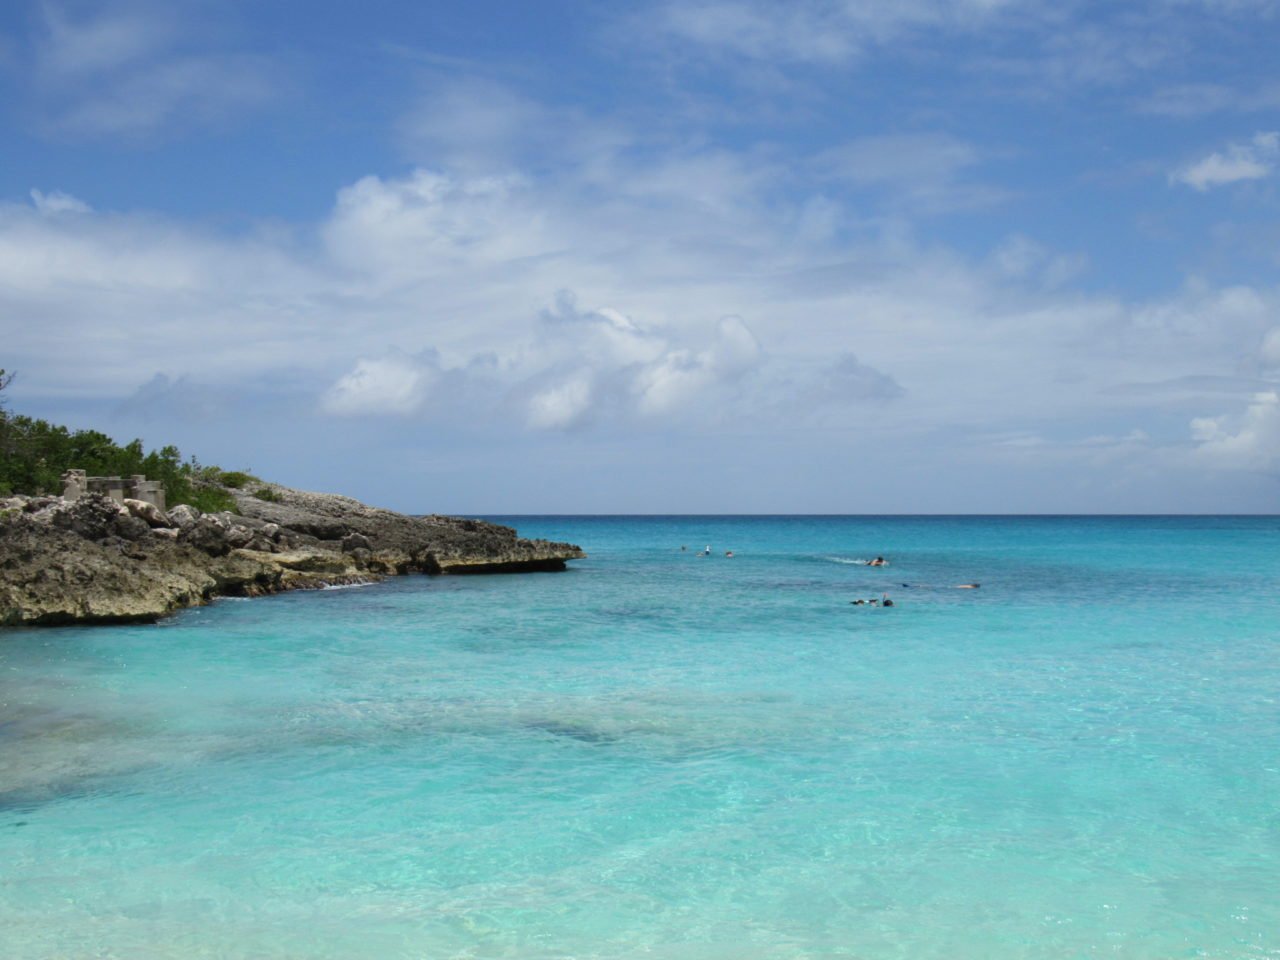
[[887, 515]]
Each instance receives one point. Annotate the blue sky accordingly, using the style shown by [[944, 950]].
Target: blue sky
[[724, 256]]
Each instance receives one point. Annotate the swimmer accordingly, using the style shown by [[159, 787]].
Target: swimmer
[[728, 553], [878, 562], [887, 602], [968, 586]]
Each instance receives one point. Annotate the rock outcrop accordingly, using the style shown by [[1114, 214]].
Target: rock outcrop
[[429, 544], [94, 560]]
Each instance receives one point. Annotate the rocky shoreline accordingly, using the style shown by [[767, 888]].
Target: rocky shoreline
[[96, 560]]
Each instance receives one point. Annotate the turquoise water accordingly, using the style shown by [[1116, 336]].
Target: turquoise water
[[662, 755]]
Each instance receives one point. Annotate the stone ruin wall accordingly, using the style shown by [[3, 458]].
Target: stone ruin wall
[[76, 483]]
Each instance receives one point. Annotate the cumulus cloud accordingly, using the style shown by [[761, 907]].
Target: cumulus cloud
[[1253, 160], [429, 224], [561, 406], [432, 297], [602, 365], [1250, 440], [572, 368], [676, 378], [395, 385]]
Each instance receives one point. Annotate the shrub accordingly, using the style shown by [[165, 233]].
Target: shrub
[[267, 494], [211, 500], [235, 479], [35, 453]]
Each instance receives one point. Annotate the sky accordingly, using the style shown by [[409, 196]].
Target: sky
[[669, 256]]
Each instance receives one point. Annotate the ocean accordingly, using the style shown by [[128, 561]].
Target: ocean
[[659, 754]]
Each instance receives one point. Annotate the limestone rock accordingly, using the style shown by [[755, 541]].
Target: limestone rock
[[183, 515], [148, 512], [430, 544], [209, 535], [355, 541], [95, 517], [50, 575], [93, 560]]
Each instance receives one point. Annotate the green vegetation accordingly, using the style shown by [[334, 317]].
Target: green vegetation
[[205, 498], [267, 494], [236, 479], [35, 453]]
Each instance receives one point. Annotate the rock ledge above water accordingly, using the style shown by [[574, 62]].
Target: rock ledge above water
[[94, 560]]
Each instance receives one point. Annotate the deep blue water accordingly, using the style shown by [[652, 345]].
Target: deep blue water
[[662, 755]]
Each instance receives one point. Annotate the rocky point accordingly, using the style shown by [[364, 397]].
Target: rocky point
[[96, 560]]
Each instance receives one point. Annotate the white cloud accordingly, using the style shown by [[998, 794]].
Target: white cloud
[[696, 309], [601, 365], [1250, 440], [893, 158], [847, 381], [57, 202], [477, 126], [1199, 99], [677, 378], [133, 70], [561, 406], [1270, 352], [813, 30], [396, 385], [920, 171], [113, 39], [184, 92], [1020, 258], [1253, 160]]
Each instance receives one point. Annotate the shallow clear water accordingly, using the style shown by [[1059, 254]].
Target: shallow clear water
[[663, 755]]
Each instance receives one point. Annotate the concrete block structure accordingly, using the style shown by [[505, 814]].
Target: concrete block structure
[[75, 484]]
